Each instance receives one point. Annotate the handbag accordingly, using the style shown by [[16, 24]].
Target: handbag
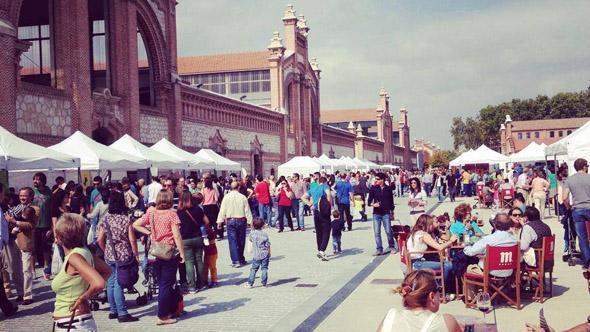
[[160, 250], [128, 271]]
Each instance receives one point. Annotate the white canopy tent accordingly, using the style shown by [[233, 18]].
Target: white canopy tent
[[16, 154], [221, 163], [532, 152], [339, 164], [361, 165], [335, 164], [96, 156], [127, 144], [348, 162], [302, 165], [575, 145], [485, 155], [166, 147], [372, 165], [327, 166], [459, 161]]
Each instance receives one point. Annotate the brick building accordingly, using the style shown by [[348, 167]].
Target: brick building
[[516, 135], [108, 67]]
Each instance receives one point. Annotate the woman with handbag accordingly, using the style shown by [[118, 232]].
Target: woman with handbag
[[81, 277], [116, 237], [192, 219], [164, 232]]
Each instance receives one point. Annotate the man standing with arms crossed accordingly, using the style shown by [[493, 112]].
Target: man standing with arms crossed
[[298, 188], [579, 186], [381, 199]]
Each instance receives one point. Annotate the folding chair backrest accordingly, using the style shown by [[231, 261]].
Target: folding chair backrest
[[507, 193], [502, 258], [548, 251], [479, 189]]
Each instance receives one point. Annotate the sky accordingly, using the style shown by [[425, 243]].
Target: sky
[[439, 58]]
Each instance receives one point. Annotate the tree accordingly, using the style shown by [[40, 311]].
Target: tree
[[441, 158]]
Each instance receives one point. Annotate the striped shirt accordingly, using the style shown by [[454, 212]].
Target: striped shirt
[[260, 244]]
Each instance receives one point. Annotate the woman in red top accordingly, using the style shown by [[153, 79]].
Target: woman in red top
[[285, 195], [163, 223]]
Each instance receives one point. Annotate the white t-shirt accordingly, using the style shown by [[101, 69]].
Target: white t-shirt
[[420, 196], [414, 321], [416, 245]]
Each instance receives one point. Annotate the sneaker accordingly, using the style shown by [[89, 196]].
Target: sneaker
[[324, 257], [190, 290], [200, 289], [27, 302], [212, 284], [378, 253], [320, 254], [46, 276], [127, 319], [235, 265], [248, 285], [113, 316], [206, 241]]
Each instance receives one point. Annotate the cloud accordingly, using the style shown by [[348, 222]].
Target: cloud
[[439, 59]]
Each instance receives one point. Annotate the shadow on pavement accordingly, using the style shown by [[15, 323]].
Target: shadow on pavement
[[348, 252], [213, 308], [276, 258], [283, 281]]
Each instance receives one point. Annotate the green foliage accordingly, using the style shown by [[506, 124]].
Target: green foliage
[[485, 127], [441, 158]]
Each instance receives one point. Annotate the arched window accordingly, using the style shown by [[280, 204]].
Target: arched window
[[146, 94], [34, 26], [99, 44]]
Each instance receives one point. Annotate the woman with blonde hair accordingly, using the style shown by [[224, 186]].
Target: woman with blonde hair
[[81, 277], [164, 231], [421, 301]]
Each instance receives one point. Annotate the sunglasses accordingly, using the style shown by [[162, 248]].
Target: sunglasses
[[516, 215]]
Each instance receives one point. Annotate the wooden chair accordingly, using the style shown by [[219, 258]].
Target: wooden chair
[[545, 257], [506, 198], [496, 259], [405, 257]]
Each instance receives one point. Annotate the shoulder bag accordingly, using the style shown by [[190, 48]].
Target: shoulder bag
[[160, 250], [127, 271]]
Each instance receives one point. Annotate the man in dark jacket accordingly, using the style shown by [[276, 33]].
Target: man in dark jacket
[[381, 199]]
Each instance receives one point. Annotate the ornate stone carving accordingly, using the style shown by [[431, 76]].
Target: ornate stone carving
[[217, 143], [106, 112], [160, 14]]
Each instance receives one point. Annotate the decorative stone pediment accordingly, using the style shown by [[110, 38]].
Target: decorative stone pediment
[[217, 143], [106, 111], [255, 145]]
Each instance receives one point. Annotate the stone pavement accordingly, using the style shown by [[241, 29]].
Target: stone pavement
[[300, 284], [364, 309]]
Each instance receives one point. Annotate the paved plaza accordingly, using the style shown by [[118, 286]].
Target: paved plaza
[[351, 292]]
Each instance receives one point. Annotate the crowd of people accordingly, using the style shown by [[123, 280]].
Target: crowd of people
[[88, 239]]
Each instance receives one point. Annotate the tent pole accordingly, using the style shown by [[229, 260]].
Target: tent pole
[[79, 175]]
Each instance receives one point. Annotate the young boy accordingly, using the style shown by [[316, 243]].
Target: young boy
[[260, 252], [337, 225]]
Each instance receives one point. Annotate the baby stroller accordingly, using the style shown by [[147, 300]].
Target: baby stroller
[[150, 281]]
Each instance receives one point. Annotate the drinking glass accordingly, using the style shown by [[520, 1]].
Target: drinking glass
[[484, 303]]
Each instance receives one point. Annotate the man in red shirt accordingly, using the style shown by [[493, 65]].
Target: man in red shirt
[[263, 197]]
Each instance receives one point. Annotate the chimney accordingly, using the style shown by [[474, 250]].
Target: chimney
[[290, 23]]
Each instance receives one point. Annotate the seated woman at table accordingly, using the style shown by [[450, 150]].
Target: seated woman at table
[[463, 223], [444, 225], [516, 216], [421, 300], [423, 237]]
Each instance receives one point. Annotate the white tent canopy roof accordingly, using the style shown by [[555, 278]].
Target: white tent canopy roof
[[16, 154], [532, 152], [94, 156], [127, 144], [485, 155], [166, 147], [460, 160], [575, 145], [302, 165], [220, 162]]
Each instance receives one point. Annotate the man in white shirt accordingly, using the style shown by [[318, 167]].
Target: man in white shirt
[[500, 238], [235, 212], [153, 190]]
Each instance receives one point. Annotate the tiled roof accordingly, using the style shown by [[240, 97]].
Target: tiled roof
[[548, 124], [354, 115], [219, 63]]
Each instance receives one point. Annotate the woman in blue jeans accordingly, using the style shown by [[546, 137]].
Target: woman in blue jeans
[[117, 239], [425, 236]]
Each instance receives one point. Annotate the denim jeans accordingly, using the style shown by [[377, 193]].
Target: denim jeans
[[259, 264], [434, 265], [439, 193], [274, 211], [452, 193], [236, 239], [195, 267], [264, 211], [285, 211], [384, 220], [580, 217], [297, 209], [165, 273], [428, 188], [337, 243], [115, 293]]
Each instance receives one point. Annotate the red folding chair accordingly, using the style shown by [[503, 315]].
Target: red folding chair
[[496, 259], [506, 198], [545, 257], [479, 194]]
